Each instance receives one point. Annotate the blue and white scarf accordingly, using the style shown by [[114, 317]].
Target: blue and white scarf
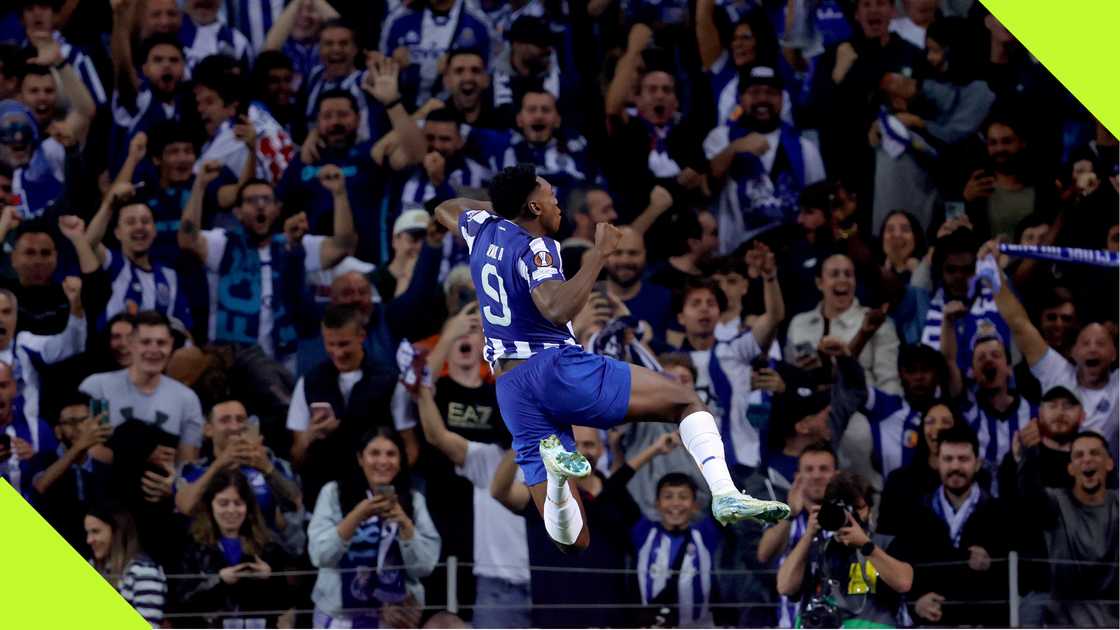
[[372, 571], [694, 582], [955, 519], [238, 306]]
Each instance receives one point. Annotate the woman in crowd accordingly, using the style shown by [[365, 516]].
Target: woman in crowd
[[117, 556], [230, 541], [840, 315], [372, 539], [902, 247]]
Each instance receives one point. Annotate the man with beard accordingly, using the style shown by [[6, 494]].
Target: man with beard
[[1003, 192], [418, 35], [954, 267], [994, 411], [530, 63], [1081, 525], [560, 157], [446, 167], [156, 95], [136, 282], [656, 145], [767, 163], [256, 276], [466, 80], [338, 52], [27, 354], [204, 34], [142, 392], [625, 267], [1088, 372], [961, 523], [366, 180]]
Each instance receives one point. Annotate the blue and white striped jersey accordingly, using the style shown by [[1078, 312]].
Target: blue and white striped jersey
[[996, 431], [507, 263], [896, 429], [253, 18]]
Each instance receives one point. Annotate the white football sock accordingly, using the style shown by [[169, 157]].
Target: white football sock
[[701, 438], [562, 519]]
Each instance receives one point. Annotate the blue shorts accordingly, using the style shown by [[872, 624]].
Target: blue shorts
[[555, 389]]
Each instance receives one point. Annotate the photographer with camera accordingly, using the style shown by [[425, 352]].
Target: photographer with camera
[[842, 572]]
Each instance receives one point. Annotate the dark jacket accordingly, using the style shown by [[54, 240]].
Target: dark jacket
[[211, 594], [368, 407]]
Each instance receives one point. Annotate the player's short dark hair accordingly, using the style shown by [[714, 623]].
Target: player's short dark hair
[[168, 133], [69, 398], [510, 189], [820, 446], [151, 318], [693, 285], [25, 70], [337, 93], [254, 181], [959, 433], [159, 39], [677, 480], [337, 316]]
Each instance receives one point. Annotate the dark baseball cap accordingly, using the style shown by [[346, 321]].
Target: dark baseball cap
[[914, 355], [760, 75], [803, 398], [1058, 392]]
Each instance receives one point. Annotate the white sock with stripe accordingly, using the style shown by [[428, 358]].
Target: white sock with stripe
[[701, 438]]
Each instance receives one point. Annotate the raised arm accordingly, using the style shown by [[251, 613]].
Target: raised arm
[[766, 326], [950, 315], [1026, 336], [82, 105], [74, 229], [99, 224], [707, 37], [660, 200], [247, 134], [190, 226], [381, 82], [137, 149], [560, 300], [453, 445], [626, 71], [506, 489], [448, 212], [120, 46], [345, 240], [282, 27]]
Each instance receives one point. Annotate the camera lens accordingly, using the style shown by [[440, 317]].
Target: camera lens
[[832, 516]]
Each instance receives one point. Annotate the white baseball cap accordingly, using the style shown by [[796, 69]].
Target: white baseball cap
[[411, 220]]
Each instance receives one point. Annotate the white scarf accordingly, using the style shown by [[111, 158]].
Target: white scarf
[[435, 39], [274, 147], [956, 519]]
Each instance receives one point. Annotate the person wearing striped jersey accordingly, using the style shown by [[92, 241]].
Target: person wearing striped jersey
[[545, 381], [118, 557], [203, 33], [993, 410], [27, 353], [136, 281], [25, 443], [337, 70], [295, 33], [38, 16], [1088, 372], [446, 167], [675, 555]]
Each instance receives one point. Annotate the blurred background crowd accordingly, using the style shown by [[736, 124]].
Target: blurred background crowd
[[217, 241]]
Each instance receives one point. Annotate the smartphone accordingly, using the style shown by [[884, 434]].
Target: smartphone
[[954, 210], [322, 406], [99, 406], [385, 490], [253, 429]]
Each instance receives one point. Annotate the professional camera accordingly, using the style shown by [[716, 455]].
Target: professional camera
[[834, 514], [820, 612]]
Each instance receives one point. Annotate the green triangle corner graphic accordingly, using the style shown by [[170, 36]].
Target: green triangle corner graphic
[[1074, 40], [44, 583]]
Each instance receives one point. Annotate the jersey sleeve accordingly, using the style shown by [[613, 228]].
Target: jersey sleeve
[[540, 262], [470, 223]]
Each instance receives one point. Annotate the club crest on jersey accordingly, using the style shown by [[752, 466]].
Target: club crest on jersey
[[910, 438], [542, 259]]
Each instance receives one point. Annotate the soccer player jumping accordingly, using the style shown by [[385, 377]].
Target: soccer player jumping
[[545, 381]]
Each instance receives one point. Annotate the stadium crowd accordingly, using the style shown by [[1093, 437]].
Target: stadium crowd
[[241, 366]]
